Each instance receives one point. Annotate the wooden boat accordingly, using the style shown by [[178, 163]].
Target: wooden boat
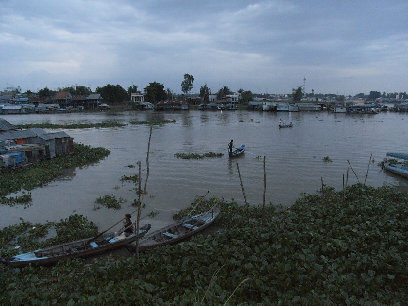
[[399, 165], [237, 152], [180, 230], [285, 125], [80, 248]]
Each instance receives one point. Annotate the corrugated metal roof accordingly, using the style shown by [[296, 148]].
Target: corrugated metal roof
[[54, 135], [19, 134], [5, 125], [94, 97], [38, 131]]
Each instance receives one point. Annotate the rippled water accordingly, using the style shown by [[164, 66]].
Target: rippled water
[[294, 162]]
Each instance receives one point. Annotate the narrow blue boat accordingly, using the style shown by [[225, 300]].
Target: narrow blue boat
[[237, 152], [395, 166]]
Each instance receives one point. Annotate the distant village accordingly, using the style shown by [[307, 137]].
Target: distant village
[[21, 147], [12, 101]]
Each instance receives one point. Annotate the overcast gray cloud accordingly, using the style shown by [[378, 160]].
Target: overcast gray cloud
[[341, 47]]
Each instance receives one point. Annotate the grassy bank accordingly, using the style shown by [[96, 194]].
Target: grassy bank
[[334, 248], [47, 170], [46, 125]]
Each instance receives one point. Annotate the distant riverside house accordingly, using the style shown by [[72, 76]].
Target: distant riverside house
[[78, 100], [92, 101], [63, 98], [233, 98], [5, 97], [137, 97], [6, 109]]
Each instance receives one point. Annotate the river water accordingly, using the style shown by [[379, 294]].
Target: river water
[[294, 160]]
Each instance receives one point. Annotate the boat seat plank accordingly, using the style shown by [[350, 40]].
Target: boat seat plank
[[170, 235], [190, 226]]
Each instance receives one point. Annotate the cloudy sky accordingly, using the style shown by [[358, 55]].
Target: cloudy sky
[[342, 47]]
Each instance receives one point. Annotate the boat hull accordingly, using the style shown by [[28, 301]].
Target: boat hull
[[179, 231], [72, 250], [237, 152], [397, 169]]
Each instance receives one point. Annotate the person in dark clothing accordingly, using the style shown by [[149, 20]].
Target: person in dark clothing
[[128, 226], [230, 146]]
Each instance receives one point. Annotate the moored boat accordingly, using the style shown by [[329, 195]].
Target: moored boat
[[180, 230], [285, 125], [77, 249], [237, 151], [398, 164]]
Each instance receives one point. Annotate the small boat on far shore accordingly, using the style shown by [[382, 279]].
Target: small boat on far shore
[[237, 151], [285, 125]]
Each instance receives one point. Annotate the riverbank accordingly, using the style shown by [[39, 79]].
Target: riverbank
[[333, 248]]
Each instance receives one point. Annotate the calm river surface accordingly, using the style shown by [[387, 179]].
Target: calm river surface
[[294, 162]]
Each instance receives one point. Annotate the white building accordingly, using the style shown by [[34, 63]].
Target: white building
[[137, 97]]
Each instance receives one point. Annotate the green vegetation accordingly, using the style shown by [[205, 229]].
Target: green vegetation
[[109, 201], [197, 155], [24, 199], [332, 248], [327, 159], [46, 125], [153, 122], [25, 237], [47, 170], [132, 178]]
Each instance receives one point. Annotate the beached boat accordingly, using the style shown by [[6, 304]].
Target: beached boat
[[237, 151], [180, 230], [81, 248], [398, 164], [285, 125]]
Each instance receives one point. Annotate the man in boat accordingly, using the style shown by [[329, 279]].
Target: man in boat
[[128, 226], [230, 146]]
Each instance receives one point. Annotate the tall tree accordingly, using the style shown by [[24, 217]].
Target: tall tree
[[205, 93], [45, 93], [131, 89], [170, 94], [112, 93], [223, 92], [246, 96], [297, 94], [154, 92], [187, 83]]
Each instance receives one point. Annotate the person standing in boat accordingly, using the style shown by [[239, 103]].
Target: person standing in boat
[[230, 146], [128, 226]]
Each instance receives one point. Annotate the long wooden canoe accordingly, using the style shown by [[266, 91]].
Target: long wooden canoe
[[80, 248], [179, 231]]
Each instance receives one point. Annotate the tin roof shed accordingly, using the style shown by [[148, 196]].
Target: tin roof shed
[[5, 125]]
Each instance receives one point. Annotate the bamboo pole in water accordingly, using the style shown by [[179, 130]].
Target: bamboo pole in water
[[147, 159], [264, 191], [368, 167], [139, 206], [347, 176], [242, 187], [353, 171]]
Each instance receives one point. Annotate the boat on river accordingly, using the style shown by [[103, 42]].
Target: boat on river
[[77, 249], [285, 125], [237, 151], [398, 163], [180, 230]]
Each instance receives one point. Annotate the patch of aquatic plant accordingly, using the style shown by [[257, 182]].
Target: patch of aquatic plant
[[197, 155], [153, 213], [46, 125], [153, 122], [23, 199], [332, 248], [25, 236], [327, 159], [109, 201], [130, 166], [45, 171], [132, 178]]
